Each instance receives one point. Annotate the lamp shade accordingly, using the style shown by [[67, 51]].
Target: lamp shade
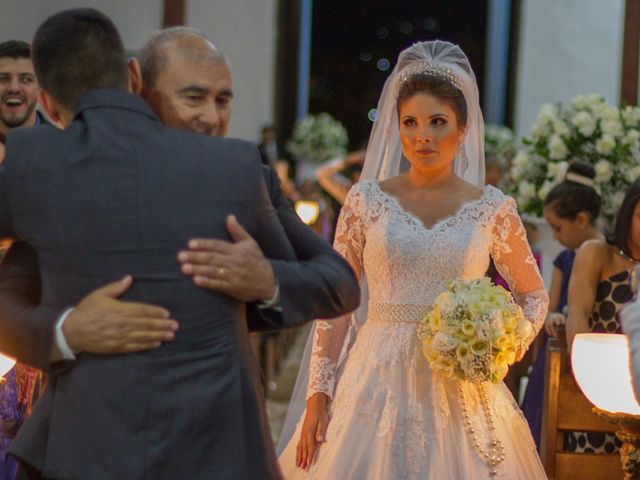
[[308, 211], [6, 364], [600, 363]]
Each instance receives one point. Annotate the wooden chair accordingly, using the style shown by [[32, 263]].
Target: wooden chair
[[566, 409]]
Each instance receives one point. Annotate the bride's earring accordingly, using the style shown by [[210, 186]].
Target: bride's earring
[[463, 161]]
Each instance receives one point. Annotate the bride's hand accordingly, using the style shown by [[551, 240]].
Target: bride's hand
[[314, 427]]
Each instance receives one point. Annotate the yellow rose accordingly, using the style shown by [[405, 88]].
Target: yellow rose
[[463, 352], [479, 347], [503, 343], [467, 327], [501, 359]]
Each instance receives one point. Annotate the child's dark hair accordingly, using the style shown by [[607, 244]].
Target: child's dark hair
[[575, 194]]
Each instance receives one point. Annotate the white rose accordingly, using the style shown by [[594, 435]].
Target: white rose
[[603, 171], [518, 172], [548, 111], [612, 127], [632, 174], [632, 137], [539, 130], [585, 123], [544, 190], [521, 159], [443, 342], [607, 112], [527, 190], [557, 148], [556, 171], [605, 144], [586, 101], [579, 102], [616, 200], [561, 128], [631, 115]]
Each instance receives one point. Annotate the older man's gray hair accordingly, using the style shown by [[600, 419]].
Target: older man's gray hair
[[189, 43]]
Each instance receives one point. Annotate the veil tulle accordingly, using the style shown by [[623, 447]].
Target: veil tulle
[[384, 159]]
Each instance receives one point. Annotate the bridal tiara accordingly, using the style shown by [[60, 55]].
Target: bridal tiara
[[430, 69]]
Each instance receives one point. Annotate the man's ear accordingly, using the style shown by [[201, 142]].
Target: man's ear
[[49, 106], [135, 76], [59, 115]]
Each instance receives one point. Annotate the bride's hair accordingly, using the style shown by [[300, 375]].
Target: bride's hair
[[437, 86]]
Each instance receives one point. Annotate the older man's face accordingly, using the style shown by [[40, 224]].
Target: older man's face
[[192, 96], [18, 93]]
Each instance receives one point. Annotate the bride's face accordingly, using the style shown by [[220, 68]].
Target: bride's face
[[429, 131]]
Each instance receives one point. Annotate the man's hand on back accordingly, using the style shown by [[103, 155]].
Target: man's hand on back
[[102, 324], [237, 268]]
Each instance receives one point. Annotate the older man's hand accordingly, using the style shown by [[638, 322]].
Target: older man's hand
[[237, 268]]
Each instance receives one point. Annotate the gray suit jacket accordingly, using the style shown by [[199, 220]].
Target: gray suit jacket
[[320, 285], [118, 193]]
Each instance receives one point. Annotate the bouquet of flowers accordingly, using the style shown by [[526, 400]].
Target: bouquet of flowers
[[473, 331], [318, 137], [588, 130]]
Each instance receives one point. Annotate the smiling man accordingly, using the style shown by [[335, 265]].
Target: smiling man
[[18, 87]]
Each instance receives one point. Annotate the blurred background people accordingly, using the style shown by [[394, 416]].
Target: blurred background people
[[337, 176], [571, 209], [600, 285], [18, 102], [268, 146]]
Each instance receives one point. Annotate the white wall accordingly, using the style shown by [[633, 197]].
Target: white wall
[[246, 30], [567, 47], [135, 20]]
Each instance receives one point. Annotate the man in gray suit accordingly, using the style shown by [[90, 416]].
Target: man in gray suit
[[114, 193]]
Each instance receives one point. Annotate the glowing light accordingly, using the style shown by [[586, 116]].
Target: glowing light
[[600, 363], [308, 211], [372, 114], [6, 364]]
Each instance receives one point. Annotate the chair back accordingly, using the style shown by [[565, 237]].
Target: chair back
[[566, 409]]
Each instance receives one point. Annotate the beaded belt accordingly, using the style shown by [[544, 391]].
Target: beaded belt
[[396, 312]]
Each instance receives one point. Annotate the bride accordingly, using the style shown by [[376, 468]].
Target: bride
[[390, 416]]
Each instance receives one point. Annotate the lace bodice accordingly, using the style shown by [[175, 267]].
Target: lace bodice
[[408, 264]]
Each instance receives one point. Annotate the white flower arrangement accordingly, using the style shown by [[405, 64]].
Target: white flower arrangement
[[499, 141], [473, 331], [319, 138], [588, 130]]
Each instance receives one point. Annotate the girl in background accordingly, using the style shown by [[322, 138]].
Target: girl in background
[[571, 208]]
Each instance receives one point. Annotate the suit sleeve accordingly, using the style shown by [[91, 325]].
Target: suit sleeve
[[26, 329], [321, 284], [269, 233]]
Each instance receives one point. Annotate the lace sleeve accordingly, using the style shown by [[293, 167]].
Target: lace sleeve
[[329, 336], [513, 258]]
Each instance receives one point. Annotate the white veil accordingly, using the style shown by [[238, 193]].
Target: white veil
[[384, 159]]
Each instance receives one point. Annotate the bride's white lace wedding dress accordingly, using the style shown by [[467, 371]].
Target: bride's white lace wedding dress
[[392, 418]]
